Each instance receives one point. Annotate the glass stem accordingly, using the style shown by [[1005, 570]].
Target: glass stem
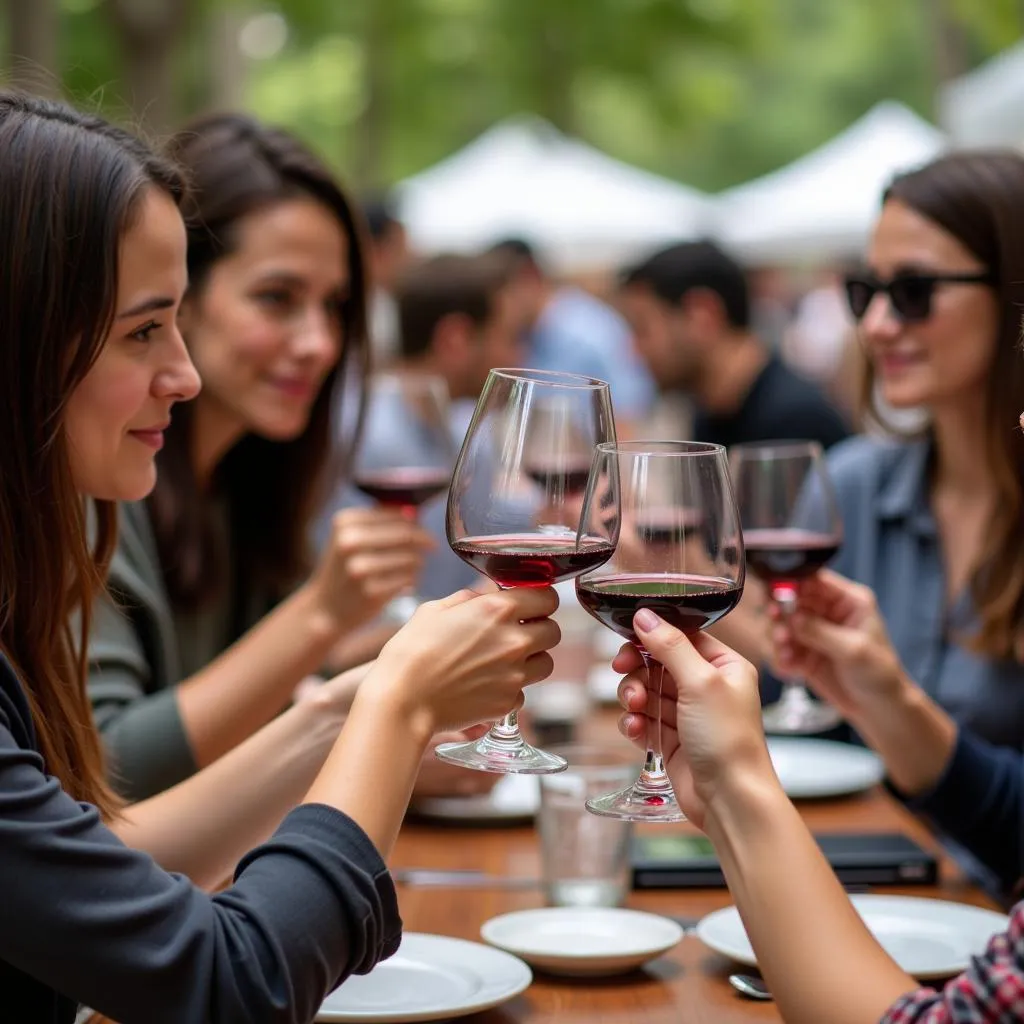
[[653, 777], [786, 598], [506, 731]]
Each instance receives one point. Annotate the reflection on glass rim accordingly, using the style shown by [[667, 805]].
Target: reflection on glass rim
[[676, 448], [568, 380]]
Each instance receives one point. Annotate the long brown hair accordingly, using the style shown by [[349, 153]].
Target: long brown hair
[[236, 167], [978, 197], [70, 186]]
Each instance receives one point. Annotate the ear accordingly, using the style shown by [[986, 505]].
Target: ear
[[454, 338]]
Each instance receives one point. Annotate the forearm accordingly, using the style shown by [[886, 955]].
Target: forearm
[[370, 772], [252, 681], [820, 962], [912, 734], [204, 825]]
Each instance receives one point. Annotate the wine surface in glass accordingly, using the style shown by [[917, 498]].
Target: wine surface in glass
[[402, 488], [780, 556], [690, 603], [530, 559]]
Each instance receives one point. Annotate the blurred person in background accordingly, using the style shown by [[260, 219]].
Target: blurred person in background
[[217, 610], [388, 255], [689, 307], [460, 316], [572, 331]]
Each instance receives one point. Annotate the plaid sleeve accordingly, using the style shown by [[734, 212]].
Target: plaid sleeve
[[990, 991]]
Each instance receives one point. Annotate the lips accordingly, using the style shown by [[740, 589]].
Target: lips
[[896, 362], [152, 437], [298, 388]]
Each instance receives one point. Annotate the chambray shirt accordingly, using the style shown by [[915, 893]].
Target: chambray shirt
[[891, 543]]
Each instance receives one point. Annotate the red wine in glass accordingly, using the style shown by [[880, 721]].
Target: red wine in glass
[[403, 487], [532, 560], [565, 480], [690, 603], [785, 556]]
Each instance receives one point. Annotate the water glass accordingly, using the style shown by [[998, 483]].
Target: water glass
[[585, 858]]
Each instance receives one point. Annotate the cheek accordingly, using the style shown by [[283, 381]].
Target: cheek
[[232, 349]]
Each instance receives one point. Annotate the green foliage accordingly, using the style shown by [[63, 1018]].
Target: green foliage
[[711, 92]]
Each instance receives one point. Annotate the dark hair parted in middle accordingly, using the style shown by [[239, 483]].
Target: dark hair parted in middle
[[672, 272], [237, 167], [446, 285]]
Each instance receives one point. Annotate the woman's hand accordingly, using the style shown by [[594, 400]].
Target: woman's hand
[[372, 555], [710, 712], [837, 641], [436, 778], [466, 658]]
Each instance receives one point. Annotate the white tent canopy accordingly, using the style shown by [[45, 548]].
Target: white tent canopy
[[822, 206], [986, 107], [524, 178]]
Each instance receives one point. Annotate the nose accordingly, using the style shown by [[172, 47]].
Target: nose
[[880, 321], [178, 378], [317, 337]]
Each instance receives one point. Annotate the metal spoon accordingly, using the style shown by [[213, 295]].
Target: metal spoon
[[750, 985]]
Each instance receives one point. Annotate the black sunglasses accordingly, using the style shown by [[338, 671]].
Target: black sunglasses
[[910, 294]]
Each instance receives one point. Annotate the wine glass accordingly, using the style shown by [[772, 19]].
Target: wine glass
[[668, 508], [514, 511], [791, 528], [406, 451]]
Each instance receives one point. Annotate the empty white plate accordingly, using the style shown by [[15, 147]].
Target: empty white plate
[[580, 941], [513, 798], [812, 769], [431, 977], [927, 938]]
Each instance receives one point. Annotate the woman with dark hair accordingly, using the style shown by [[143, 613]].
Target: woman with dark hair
[[216, 614], [92, 274]]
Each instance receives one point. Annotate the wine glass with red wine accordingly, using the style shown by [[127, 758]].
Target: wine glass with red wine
[[668, 507], [791, 528], [406, 453], [514, 511]]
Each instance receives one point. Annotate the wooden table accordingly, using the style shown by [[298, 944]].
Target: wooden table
[[686, 986]]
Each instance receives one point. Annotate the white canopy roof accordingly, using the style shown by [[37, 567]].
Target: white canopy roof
[[822, 206], [525, 178], [986, 107]]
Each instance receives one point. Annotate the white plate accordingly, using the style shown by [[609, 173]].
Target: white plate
[[927, 938], [580, 941], [431, 977], [513, 798], [603, 684], [811, 769]]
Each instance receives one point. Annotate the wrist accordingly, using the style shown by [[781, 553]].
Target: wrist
[[390, 700], [322, 625], [748, 798]]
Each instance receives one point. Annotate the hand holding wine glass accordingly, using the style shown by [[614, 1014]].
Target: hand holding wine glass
[[791, 528], [514, 509], [668, 508]]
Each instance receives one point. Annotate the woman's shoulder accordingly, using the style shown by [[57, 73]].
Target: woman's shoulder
[[864, 464]]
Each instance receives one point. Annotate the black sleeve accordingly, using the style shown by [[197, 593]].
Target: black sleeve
[[103, 924], [814, 420], [979, 802]]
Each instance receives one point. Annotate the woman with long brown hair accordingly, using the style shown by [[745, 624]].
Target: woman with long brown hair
[[92, 274], [218, 611]]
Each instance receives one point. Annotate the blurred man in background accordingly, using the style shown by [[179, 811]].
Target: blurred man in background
[[389, 256], [575, 332], [689, 307]]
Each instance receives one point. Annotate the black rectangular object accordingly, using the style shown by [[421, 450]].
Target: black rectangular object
[[858, 858]]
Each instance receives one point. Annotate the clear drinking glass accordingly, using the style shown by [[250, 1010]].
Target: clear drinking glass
[[791, 528], [406, 453], [669, 509], [514, 511]]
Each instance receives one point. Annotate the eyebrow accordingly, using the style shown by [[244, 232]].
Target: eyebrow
[[289, 277], [147, 306]]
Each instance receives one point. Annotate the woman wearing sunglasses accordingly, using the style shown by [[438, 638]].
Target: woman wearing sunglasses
[[92, 276], [932, 521]]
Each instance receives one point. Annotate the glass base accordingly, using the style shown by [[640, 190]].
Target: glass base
[[511, 756], [796, 714], [399, 610], [637, 804]]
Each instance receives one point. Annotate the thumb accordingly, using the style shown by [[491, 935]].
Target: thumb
[[667, 644]]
